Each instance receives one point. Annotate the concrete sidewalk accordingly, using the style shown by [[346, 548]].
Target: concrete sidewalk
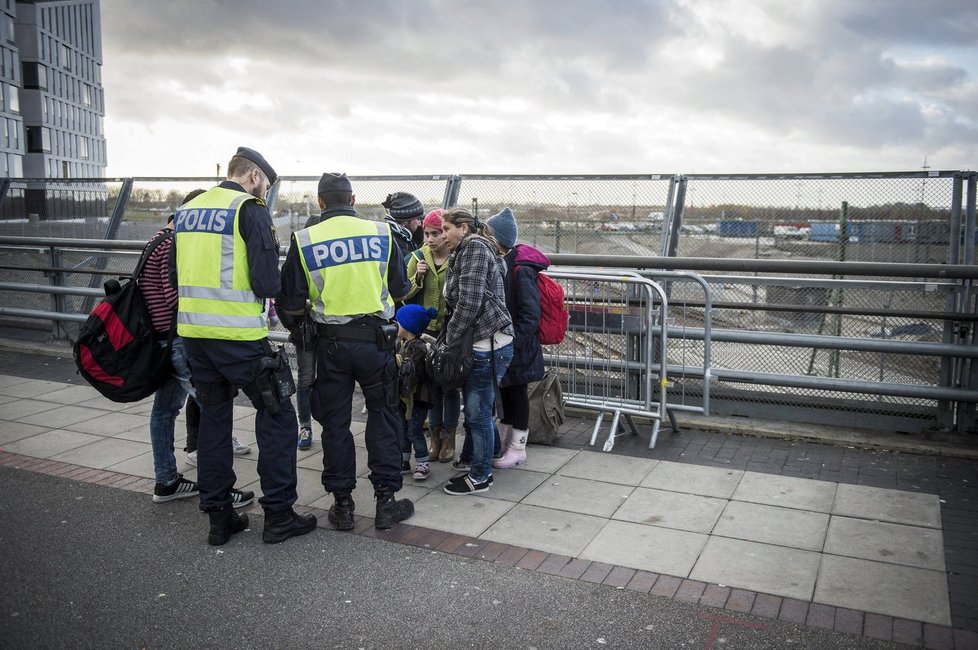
[[854, 558]]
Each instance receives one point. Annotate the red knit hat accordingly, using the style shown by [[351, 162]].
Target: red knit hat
[[433, 219]]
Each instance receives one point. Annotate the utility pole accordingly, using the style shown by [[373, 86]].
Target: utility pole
[[218, 170]]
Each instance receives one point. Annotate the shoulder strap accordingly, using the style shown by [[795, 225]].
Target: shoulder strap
[[418, 255], [156, 241]]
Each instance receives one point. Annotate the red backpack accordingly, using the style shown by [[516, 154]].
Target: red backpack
[[553, 313]]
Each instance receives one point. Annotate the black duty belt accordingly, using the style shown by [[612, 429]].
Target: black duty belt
[[348, 332]]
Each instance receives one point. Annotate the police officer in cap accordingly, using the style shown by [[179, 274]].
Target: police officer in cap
[[226, 266], [351, 271]]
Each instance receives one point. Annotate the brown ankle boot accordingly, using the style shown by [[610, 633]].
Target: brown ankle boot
[[447, 453], [434, 443]]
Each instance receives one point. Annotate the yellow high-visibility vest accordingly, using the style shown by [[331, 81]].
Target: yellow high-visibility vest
[[345, 260], [215, 300]]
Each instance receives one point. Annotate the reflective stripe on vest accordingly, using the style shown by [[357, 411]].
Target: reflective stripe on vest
[[215, 296], [345, 260]]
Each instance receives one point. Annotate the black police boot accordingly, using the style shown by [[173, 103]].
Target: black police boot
[[341, 512], [279, 526], [389, 510], [225, 523]]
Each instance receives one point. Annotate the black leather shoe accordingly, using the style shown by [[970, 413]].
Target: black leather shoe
[[341, 512], [225, 523], [279, 526], [390, 511]]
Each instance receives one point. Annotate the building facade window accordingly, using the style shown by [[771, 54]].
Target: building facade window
[[35, 76]]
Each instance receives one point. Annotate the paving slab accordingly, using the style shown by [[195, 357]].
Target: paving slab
[[102, 403], [21, 387], [62, 416], [786, 491], [141, 465], [894, 506], [12, 431], [769, 569], [21, 407], [648, 548], [579, 495], [104, 452], [70, 395], [601, 466], [900, 591], [508, 485], [541, 458], [112, 424], [892, 543], [773, 525], [697, 514], [144, 407], [544, 529], [50, 443], [693, 479], [464, 515]]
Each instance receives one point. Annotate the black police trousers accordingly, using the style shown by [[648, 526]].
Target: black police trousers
[[217, 368], [340, 363]]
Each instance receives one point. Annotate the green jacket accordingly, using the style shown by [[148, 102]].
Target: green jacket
[[432, 286]]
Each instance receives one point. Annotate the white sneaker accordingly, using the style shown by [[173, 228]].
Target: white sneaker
[[239, 449], [192, 457]]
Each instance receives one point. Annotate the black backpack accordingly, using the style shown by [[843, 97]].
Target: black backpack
[[116, 351]]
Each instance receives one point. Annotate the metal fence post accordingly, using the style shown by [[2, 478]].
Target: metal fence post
[[950, 373], [452, 188]]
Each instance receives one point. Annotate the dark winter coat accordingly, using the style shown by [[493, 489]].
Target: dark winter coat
[[523, 301]]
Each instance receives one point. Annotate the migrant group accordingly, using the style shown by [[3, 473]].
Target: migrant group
[[365, 303]]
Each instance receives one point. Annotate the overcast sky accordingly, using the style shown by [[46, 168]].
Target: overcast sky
[[526, 87]]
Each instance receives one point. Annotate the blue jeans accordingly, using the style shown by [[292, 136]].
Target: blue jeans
[[306, 363], [413, 434], [445, 407], [479, 394], [167, 402]]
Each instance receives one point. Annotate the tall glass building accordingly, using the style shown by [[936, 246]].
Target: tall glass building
[[12, 129], [61, 102]]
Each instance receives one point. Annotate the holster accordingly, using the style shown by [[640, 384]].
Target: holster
[[273, 382]]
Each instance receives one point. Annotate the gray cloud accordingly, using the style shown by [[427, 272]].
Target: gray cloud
[[558, 78]]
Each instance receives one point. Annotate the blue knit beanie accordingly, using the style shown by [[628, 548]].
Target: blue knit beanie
[[415, 318], [503, 226]]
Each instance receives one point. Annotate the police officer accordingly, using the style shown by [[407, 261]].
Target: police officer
[[351, 271], [226, 266]]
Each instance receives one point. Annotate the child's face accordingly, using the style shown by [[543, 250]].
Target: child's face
[[403, 334], [434, 237]]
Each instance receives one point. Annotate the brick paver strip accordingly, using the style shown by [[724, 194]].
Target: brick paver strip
[[938, 637], [124, 480], [715, 596], [820, 615], [472, 547], [666, 586], [58, 470], [909, 632], [766, 605], [965, 639], [491, 551], [415, 535], [793, 611], [878, 626], [619, 577], [690, 591], [575, 568], [512, 555], [434, 538], [597, 572], [740, 600], [642, 581], [849, 621], [553, 564], [532, 560], [104, 479], [452, 544], [399, 532]]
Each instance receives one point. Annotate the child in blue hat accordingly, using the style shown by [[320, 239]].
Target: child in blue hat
[[414, 386]]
